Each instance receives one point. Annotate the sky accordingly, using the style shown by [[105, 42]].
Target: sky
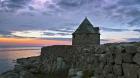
[[51, 22]]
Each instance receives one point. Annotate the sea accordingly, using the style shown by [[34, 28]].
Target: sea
[[8, 56]]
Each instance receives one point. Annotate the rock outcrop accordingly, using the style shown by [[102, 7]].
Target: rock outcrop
[[118, 60]]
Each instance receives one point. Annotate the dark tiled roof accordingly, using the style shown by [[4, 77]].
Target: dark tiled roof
[[86, 27]]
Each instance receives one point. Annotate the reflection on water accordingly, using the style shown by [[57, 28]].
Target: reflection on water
[[8, 55]]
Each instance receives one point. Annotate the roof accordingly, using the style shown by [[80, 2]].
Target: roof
[[86, 27]]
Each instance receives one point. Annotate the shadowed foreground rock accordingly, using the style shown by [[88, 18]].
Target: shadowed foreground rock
[[118, 60]]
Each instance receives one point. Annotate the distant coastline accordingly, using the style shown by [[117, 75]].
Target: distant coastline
[[3, 46], [18, 49]]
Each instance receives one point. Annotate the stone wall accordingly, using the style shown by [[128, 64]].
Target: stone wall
[[72, 55], [105, 61]]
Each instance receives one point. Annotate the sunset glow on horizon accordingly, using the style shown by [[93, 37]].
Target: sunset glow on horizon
[[32, 41]]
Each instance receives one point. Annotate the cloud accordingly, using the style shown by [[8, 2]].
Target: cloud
[[129, 2], [68, 30], [29, 6], [61, 39], [4, 32], [135, 22], [133, 39], [71, 3], [63, 34], [137, 30], [113, 29], [48, 34], [12, 5]]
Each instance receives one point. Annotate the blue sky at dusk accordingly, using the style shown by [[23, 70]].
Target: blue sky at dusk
[[48, 21]]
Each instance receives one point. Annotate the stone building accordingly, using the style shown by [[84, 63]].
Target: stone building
[[86, 34]]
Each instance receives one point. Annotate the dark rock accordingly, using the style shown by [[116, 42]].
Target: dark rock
[[131, 49], [26, 74], [127, 58], [110, 76], [130, 70], [137, 58], [107, 69], [139, 73], [117, 70], [138, 49], [120, 77], [119, 58], [119, 49], [10, 74]]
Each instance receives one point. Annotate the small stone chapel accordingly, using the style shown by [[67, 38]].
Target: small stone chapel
[[86, 34]]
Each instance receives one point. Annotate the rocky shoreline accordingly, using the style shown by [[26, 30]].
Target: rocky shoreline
[[116, 60]]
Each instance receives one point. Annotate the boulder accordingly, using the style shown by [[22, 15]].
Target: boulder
[[79, 74], [130, 70], [10, 74], [127, 58], [26, 74], [137, 58], [107, 69], [93, 77], [18, 68], [119, 49], [117, 70], [72, 72], [112, 49], [120, 77], [119, 58], [98, 76], [110, 75], [138, 49], [101, 49], [110, 58], [76, 74], [139, 73], [98, 70], [131, 49], [60, 64]]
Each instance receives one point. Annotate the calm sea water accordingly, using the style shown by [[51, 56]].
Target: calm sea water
[[9, 55]]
